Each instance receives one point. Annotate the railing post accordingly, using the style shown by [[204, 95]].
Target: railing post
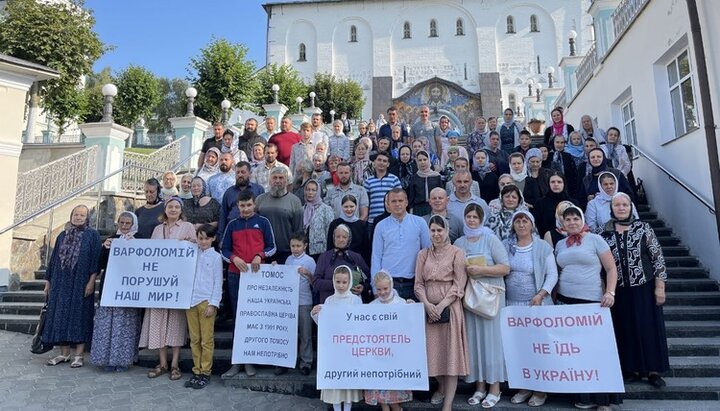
[[110, 140], [194, 129]]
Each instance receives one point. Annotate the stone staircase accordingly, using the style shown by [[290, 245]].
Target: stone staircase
[[692, 314]]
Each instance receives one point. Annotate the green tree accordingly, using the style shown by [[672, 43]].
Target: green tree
[[222, 71], [343, 96], [291, 86], [93, 94], [58, 35], [138, 94], [172, 104]]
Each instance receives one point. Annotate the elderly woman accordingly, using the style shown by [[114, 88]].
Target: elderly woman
[[405, 168], [589, 187], [581, 257], [149, 213], [501, 221], [615, 151], [201, 208], [440, 279], [597, 213], [424, 180], [304, 175], [358, 228], [70, 288], [533, 275], [114, 343], [167, 327], [317, 217], [339, 255], [185, 182], [496, 203], [487, 181], [169, 185], [558, 233], [637, 313], [486, 260], [210, 164], [361, 165]]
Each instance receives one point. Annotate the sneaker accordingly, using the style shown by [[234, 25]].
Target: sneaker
[[250, 370], [305, 370], [280, 370], [233, 371], [202, 382], [192, 381]]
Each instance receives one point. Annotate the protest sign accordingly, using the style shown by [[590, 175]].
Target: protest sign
[[150, 274], [374, 346], [266, 323], [562, 348]]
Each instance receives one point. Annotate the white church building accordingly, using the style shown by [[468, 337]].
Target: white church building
[[462, 58]]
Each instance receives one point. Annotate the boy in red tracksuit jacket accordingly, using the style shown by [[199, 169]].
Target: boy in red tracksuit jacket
[[247, 241]]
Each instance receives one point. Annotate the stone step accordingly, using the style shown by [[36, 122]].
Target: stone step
[[23, 296], [668, 241], [662, 231], [23, 308], [642, 208], [691, 284], [693, 298], [687, 272], [675, 251], [694, 367], [655, 223], [32, 285], [689, 313], [40, 274], [687, 329], [694, 347], [647, 215], [25, 324], [678, 388], [685, 261]]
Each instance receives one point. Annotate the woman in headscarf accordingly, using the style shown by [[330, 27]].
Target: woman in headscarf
[[558, 234], [149, 213], [230, 145], [533, 163], [500, 222], [304, 176], [598, 210], [70, 288], [528, 186], [589, 186], [637, 314], [486, 179], [440, 279], [361, 163], [421, 184], [581, 257], [169, 182], [563, 162], [590, 129], [544, 211], [201, 208], [358, 228], [533, 275], [336, 256], [509, 131], [210, 165], [476, 140], [576, 148], [497, 157], [485, 259], [405, 168], [114, 343], [496, 204], [167, 327], [558, 127], [615, 151], [317, 217], [185, 187]]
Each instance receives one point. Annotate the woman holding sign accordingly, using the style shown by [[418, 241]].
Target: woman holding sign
[[164, 327], [581, 258], [439, 285], [637, 314], [486, 262]]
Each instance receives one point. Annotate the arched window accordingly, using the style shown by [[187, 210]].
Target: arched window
[[406, 30], [459, 28], [510, 24], [534, 24], [433, 28], [301, 52], [353, 34]]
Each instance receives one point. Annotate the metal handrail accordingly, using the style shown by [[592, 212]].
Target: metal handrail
[[676, 179], [186, 160], [69, 196]]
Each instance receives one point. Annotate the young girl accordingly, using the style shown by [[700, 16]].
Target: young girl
[[168, 190], [342, 278], [576, 148], [386, 294]]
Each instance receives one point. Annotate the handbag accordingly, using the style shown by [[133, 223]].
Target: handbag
[[482, 299], [37, 346], [444, 317]]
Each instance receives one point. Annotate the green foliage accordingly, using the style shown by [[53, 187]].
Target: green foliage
[[93, 94], [138, 94], [172, 104], [58, 35], [343, 96], [222, 71], [291, 86]]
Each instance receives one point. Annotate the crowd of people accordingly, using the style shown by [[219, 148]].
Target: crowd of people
[[397, 214]]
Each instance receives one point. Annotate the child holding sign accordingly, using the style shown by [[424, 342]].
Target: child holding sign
[[386, 294], [207, 291], [342, 278], [306, 268]]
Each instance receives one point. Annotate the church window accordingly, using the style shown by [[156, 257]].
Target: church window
[[406, 30], [433, 28], [510, 24], [459, 28], [534, 24], [353, 34], [301, 52]]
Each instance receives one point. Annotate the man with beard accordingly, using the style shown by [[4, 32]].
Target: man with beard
[[228, 205], [218, 183], [423, 127], [215, 141], [335, 194], [249, 137], [270, 124], [261, 174], [284, 210], [284, 141]]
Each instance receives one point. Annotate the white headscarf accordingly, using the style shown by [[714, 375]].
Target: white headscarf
[[133, 229]]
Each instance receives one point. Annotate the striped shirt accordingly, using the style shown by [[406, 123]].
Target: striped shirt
[[376, 189]]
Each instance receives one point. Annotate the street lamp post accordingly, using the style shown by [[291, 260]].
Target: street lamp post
[[275, 88], [538, 89], [312, 99], [109, 91], [332, 116], [190, 93], [299, 101], [550, 70], [530, 83], [225, 105], [572, 35]]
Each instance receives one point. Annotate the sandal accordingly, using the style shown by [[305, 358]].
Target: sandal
[[157, 371], [477, 398], [537, 400], [521, 396], [78, 361], [437, 398], [491, 400], [175, 374], [59, 359]]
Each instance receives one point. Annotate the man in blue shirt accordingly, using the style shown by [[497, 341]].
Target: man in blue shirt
[[398, 239], [228, 205], [393, 120]]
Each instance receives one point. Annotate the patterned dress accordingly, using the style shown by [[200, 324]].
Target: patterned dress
[[164, 327]]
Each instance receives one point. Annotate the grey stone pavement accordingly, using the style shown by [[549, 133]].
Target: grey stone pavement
[[26, 383]]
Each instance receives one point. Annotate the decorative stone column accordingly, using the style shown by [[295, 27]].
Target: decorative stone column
[[298, 119], [194, 129], [110, 139]]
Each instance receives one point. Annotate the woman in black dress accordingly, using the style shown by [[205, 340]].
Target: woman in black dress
[[149, 214]]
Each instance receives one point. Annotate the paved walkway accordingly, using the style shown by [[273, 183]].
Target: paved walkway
[[26, 383]]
